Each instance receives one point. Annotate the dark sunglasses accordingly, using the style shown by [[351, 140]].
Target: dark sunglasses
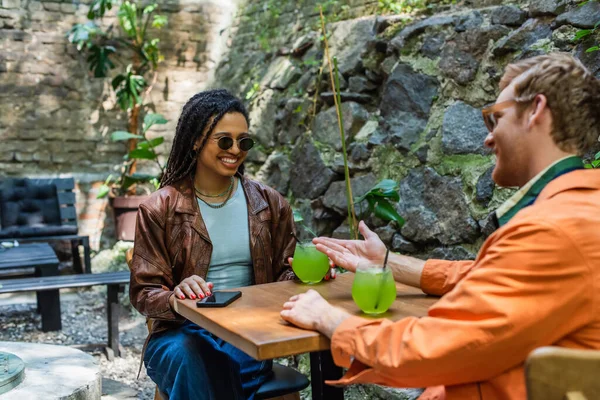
[[244, 144]]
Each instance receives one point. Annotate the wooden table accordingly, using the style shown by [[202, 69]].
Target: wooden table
[[253, 324], [41, 257]]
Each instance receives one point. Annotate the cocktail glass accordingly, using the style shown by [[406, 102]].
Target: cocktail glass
[[373, 289], [310, 265]]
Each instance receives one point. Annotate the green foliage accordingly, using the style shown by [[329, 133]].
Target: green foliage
[[138, 55], [145, 150], [381, 199], [254, 90], [584, 33], [595, 163], [268, 21], [98, 8], [99, 59], [408, 6], [128, 88]]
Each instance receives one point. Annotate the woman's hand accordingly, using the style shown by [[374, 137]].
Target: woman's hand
[[330, 275], [348, 253], [193, 287]]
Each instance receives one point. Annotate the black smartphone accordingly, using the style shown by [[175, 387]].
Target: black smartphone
[[219, 299]]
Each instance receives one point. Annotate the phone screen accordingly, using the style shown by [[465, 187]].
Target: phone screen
[[219, 299]]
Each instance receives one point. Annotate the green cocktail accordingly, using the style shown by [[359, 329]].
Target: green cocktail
[[374, 289], [310, 265]]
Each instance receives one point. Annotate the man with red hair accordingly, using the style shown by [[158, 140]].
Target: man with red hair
[[536, 279]]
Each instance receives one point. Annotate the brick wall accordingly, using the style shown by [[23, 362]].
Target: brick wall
[[55, 120]]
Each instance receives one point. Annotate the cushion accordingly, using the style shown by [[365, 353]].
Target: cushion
[[28, 209], [284, 380]]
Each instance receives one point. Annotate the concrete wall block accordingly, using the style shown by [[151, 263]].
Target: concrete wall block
[[68, 8], [11, 3], [23, 157], [35, 6], [6, 156], [42, 156], [51, 6]]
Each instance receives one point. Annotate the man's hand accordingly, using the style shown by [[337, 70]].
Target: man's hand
[[311, 311], [348, 253], [330, 275]]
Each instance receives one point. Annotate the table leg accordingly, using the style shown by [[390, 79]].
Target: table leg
[[87, 258], [49, 304], [322, 368], [112, 306], [76, 257]]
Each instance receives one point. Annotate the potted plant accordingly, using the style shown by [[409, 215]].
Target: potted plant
[[134, 53], [119, 187]]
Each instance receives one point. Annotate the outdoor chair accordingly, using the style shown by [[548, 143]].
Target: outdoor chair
[[42, 210], [284, 384], [558, 373]]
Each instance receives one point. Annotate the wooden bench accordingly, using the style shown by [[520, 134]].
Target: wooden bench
[[114, 281]]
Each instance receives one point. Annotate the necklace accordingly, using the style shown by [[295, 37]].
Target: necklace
[[219, 205], [216, 195]]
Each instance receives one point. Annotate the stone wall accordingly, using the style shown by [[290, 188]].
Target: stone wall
[[412, 93], [56, 120]]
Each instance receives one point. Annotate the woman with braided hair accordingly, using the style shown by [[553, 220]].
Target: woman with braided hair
[[207, 226]]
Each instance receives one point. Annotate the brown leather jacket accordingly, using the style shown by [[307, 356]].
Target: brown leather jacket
[[172, 243]]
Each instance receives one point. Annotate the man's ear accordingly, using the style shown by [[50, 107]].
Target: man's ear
[[538, 110]]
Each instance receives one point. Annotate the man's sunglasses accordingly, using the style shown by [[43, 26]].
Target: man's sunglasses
[[489, 113], [244, 144]]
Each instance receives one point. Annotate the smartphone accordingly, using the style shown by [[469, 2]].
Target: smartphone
[[219, 299]]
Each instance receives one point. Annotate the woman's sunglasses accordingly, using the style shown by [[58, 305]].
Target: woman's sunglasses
[[244, 144]]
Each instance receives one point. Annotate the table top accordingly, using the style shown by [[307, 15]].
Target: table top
[[253, 324], [28, 255]]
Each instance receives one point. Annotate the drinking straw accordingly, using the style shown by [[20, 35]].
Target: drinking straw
[[296, 237], [387, 252]]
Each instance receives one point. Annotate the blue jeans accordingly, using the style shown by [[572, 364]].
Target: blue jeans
[[191, 363]]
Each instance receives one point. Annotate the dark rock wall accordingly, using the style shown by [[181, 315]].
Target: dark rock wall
[[412, 95]]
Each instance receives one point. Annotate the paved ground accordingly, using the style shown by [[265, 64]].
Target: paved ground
[[84, 322]]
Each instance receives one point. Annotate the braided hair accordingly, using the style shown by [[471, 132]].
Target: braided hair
[[200, 114]]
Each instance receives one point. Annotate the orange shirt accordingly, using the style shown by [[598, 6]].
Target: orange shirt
[[535, 282]]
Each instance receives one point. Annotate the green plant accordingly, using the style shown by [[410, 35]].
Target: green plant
[[145, 150], [378, 201], [129, 48], [408, 6], [254, 90], [595, 163], [378, 198], [583, 33]]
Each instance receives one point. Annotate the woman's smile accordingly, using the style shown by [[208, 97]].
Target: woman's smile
[[229, 162]]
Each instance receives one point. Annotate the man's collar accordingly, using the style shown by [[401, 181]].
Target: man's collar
[[583, 179], [528, 194]]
